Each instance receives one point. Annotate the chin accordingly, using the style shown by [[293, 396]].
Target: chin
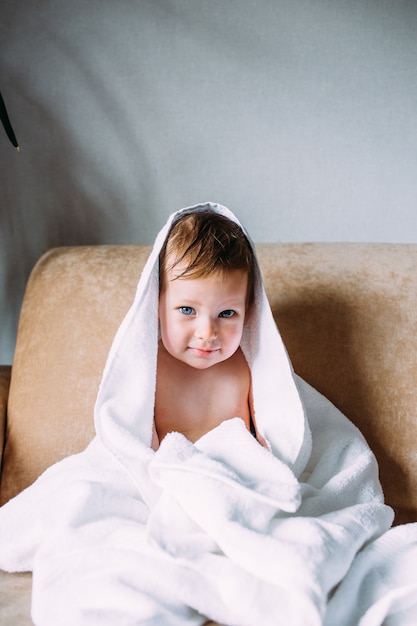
[[204, 362], [201, 365]]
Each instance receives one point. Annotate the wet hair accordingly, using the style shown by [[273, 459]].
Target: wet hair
[[208, 243]]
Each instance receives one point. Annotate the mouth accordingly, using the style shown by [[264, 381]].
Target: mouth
[[204, 352]]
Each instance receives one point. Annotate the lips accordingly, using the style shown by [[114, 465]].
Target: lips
[[203, 352]]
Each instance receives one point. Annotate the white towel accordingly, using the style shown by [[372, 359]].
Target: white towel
[[222, 528]]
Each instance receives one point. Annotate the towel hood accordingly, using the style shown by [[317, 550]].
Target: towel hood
[[125, 402]]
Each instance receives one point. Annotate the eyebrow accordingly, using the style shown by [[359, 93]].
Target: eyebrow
[[223, 305]]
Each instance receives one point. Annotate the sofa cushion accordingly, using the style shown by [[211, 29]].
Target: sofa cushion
[[15, 599]]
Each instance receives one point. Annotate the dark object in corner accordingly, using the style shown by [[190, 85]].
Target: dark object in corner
[[6, 123]]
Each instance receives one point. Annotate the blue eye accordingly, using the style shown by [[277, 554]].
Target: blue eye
[[227, 314], [186, 310]]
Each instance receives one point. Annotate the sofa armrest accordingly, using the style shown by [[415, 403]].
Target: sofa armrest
[[5, 375]]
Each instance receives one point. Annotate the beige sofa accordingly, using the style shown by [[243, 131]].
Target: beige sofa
[[347, 313]]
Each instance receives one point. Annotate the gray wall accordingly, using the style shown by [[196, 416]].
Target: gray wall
[[300, 115]]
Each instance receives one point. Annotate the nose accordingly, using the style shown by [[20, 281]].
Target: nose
[[206, 329]]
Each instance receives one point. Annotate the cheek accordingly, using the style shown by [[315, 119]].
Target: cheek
[[164, 325], [234, 334], [172, 331]]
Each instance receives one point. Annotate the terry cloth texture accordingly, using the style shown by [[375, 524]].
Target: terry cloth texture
[[223, 528]]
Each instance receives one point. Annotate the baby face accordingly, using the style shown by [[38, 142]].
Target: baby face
[[201, 319]]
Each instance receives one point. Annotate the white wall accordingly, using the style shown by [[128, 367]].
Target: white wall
[[299, 115]]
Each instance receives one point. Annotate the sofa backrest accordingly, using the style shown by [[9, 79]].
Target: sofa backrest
[[347, 314]]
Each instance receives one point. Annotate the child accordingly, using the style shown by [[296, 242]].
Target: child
[[175, 514], [206, 287]]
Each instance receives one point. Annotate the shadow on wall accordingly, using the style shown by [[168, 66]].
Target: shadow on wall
[[49, 169], [73, 188]]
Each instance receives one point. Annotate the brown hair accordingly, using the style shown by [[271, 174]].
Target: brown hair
[[208, 242]]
